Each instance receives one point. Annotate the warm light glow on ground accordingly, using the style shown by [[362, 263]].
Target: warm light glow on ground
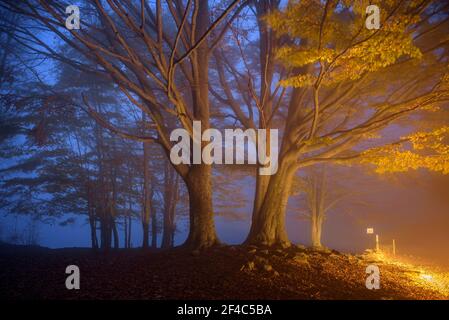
[[427, 277], [421, 276]]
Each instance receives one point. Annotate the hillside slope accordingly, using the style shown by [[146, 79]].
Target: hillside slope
[[229, 272]]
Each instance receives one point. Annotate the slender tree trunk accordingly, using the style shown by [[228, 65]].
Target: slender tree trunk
[[93, 233], [128, 223], [92, 223], [106, 230], [102, 229], [129, 230], [146, 197], [103, 234], [320, 229], [115, 234], [113, 204], [316, 223], [125, 231], [173, 211], [146, 234], [167, 234], [153, 227], [318, 208], [171, 195], [167, 198], [108, 236]]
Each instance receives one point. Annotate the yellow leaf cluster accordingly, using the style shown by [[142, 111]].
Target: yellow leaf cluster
[[428, 150], [340, 42], [296, 57], [299, 81]]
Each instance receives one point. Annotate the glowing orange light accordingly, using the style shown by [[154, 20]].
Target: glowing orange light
[[427, 277]]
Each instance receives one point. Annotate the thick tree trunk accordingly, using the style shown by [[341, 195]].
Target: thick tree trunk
[[202, 229], [198, 179], [266, 56], [261, 189], [268, 224]]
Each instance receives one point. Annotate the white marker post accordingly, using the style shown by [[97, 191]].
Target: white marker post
[[377, 242], [370, 231]]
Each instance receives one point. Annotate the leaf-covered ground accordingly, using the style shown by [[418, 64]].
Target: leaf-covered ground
[[229, 272]]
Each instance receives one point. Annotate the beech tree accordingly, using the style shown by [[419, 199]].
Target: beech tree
[[324, 189], [54, 168], [171, 196], [310, 68], [163, 73], [319, 199], [70, 168], [333, 85]]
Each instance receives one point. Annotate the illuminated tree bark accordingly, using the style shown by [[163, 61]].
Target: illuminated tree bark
[[316, 227], [268, 224], [160, 66], [201, 229], [198, 180], [319, 121], [267, 41]]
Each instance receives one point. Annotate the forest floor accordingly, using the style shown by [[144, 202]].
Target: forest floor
[[228, 272]]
